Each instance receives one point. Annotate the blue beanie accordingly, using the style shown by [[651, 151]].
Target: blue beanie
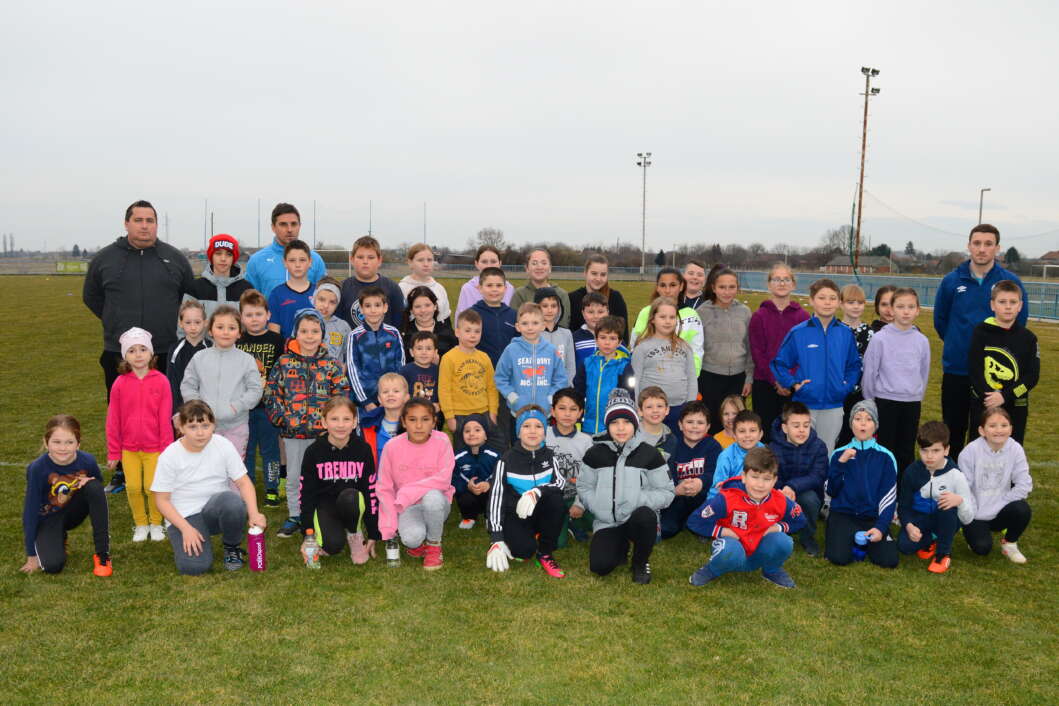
[[532, 413]]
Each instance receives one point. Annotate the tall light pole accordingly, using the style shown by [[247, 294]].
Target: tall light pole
[[981, 198], [644, 162], [869, 74]]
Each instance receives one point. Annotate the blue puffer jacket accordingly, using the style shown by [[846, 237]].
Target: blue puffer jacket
[[802, 467], [828, 359], [865, 486], [961, 304], [595, 379]]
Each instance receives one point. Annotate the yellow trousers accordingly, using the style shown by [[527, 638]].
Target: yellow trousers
[[139, 474]]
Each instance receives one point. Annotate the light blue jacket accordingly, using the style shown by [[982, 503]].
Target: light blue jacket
[[265, 268], [529, 373], [729, 465]]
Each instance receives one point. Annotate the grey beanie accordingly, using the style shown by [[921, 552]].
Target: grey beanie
[[865, 406]]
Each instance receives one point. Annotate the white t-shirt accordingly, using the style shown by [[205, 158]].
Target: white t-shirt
[[194, 478]]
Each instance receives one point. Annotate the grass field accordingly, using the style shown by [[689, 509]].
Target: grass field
[[986, 632]]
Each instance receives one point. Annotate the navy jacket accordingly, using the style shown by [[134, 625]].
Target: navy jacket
[[498, 328], [828, 359], [866, 485], [802, 467]]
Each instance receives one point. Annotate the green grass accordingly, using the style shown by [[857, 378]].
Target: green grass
[[983, 633]]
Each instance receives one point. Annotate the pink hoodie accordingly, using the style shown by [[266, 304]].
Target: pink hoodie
[[139, 417], [407, 471]]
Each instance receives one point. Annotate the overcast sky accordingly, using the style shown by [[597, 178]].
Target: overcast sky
[[528, 118]]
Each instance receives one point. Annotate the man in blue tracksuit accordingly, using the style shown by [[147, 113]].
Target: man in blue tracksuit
[[265, 269], [962, 302]]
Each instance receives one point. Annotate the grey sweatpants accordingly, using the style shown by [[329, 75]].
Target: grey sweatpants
[[223, 514], [425, 520], [826, 422], [295, 450]]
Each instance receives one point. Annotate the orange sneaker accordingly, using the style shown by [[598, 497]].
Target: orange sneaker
[[928, 552], [419, 552], [434, 559], [102, 567], [940, 565]]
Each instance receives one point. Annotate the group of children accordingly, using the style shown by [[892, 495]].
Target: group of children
[[555, 434]]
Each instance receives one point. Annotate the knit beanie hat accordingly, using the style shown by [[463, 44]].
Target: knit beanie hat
[[621, 406], [865, 406], [135, 336], [223, 241]]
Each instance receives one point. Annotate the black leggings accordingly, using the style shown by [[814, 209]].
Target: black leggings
[[546, 520], [714, 388], [1014, 518], [90, 501], [610, 546], [768, 404], [337, 515], [898, 426], [956, 409], [838, 541], [471, 505]]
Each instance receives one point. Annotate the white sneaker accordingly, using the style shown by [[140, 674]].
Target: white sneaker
[[1011, 551], [156, 532], [139, 534], [466, 524]]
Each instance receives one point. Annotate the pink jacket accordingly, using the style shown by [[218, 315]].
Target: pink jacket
[[139, 417], [407, 471]]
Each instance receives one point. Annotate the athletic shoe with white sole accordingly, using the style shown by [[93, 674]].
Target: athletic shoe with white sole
[[156, 533], [140, 533], [466, 524], [1011, 551]]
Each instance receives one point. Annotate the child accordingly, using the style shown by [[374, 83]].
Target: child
[[819, 363], [139, 427], [538, 271], [597, 281], [669, 284], [422, 372], [1004, 362], [422, 316], [730, 407], [862, 484], [884, 313], [221, 283], [298, 387], [373, 349], [852, 301], [695, 289], [384, 423], [498, 319], [547, 298], [472, 475], [266, 347], [530, 371], [193, 490], [934, 501], [691, 466], [593, 310], [336, 331], [803, 467], [896, 371], [748, 521], [366, 258], [624, 483], [421, 263], [63, 487], [569, 446], [768, 326], [290, 297], [338, 486], [727, 366], [998, 474], [654, 408], [606, 369], [225, 378], [466, 381], [414, 487], [470, 294], [661, 358], [192, 320], [748, 434], [526, 501]]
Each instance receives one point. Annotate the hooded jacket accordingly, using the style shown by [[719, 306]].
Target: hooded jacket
[[139, 417], [529, 373], [921, 489], [526, 292], [1005, 359], [370, 354], [726, 351], [298, 388], [558, 336], [616, 479], [328, 470], [518, 471], [827, 358], [469, 464], [228, 380], [214, 291], [865, 486], [767, 329], [804, 466], [755, 517], [179, 358], [498, 328], [265, 269], [127, 286], [995, 478], [896, 365], [729, 465], [595, 379], [960, 304], [407, 472]]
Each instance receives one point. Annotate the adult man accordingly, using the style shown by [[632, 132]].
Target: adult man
[[962, 302], [136, 281], [265, 268]]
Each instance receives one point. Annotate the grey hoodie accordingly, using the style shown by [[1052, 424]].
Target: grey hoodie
[[654, 362], [227, 379], [726, 348], [996, 478], [214, 290]]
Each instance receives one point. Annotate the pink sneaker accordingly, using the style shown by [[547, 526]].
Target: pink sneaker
[[434, 558], [357, 551], [419, 552], [550, 566]]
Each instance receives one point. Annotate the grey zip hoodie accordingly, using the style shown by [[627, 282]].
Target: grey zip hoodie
[[227, 379], [726, 350]]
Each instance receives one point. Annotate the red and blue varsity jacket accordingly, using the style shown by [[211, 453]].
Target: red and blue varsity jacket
[[749, 519]]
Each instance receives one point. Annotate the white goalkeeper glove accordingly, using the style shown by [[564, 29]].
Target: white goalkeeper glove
[[497, 557], [527, 503]]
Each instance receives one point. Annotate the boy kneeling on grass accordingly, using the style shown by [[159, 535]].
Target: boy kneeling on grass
[[749, 521]]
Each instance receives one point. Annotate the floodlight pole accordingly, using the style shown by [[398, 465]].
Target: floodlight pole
[[868, 93], [981, 199], [644, 163]]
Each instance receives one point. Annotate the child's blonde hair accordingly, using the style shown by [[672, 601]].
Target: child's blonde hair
[[852, 293], [394, 377], [734, 400], [416, 249], [190, 304], [530, 308], [781, 266], [674, 338]]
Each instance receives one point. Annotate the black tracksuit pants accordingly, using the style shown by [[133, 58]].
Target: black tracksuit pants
[[610, 547], [88, 502], [546, 520]]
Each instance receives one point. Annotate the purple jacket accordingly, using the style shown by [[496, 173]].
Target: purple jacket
[[768, 326]]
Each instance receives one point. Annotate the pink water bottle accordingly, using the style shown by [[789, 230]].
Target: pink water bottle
[[255, 544]]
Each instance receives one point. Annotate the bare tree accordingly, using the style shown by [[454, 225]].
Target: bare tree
[[488, 236], [836, 240]]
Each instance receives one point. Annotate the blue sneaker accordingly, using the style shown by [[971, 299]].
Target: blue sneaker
[[117, 483], [779, 577], [702, 577], [291, 527]]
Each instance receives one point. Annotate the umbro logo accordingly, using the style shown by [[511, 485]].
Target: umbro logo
[[961, 289], [813, 345]]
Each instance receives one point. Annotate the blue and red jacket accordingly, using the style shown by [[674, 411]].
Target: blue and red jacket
[[370, 354], [749, 519]]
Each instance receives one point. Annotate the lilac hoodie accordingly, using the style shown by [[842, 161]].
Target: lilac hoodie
[[469, 296], [996, 477], [896, 365], [768, 326]]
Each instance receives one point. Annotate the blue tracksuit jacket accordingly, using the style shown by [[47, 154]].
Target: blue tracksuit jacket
[[802, 467], [866, 485], [829, 360], [369, 355]]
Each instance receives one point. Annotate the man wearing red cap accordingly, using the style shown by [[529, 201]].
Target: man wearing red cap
[[222, 282]]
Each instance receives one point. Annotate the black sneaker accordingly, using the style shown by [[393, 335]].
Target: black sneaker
[[117, 482], [233, 557], [810, 546], [641, 573]]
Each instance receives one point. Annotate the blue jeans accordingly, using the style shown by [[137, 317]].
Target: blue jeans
[[810, 502], [265, 438], [729, 555]]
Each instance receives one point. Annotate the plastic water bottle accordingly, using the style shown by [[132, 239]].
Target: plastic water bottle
[[255, 544], [860, 544], [312, 550], [393, 553]]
